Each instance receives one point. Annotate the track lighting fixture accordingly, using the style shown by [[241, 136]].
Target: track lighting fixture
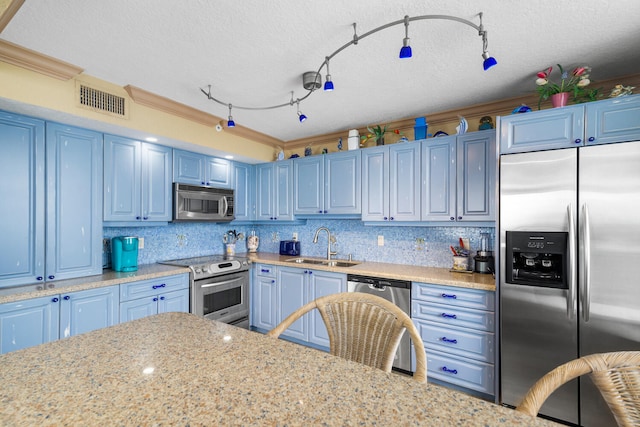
[[301, 116], [405, 50], [230, 122], [328, 84], [312, 80]]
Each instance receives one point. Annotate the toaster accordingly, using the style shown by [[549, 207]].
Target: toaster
[[289, 247]]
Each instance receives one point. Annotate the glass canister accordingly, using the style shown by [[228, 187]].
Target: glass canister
[[252, 242]]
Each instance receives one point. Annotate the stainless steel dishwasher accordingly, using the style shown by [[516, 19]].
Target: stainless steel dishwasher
[[399, 293]]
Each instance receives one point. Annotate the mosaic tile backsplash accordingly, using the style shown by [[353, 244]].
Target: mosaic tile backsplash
[[424, 246]]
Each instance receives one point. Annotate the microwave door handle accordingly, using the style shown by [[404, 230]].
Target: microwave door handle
[[571, 294], [226, 205], [585, 297]]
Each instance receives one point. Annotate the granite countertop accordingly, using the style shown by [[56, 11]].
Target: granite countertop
[[180, 369], [107, 278], [438, 276]]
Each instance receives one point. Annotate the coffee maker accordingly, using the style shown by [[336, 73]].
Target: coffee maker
[[483, 261], [124, 253]]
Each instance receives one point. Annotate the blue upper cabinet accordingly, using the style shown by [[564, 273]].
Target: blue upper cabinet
[[459, 177], [22, 196], [328, 184], [542, 130], [198, 169], [52, 202], [274, 191], [244, 186], [137, 181], [613, 120], [391, 183], [74, 202], [600, 122]]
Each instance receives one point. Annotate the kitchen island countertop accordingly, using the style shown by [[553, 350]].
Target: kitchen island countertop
[[180, 369]]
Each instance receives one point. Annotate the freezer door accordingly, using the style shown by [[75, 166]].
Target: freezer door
[[609, 206], [538, 332]]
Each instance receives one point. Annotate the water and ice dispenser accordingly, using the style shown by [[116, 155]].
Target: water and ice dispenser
[[537, 258]]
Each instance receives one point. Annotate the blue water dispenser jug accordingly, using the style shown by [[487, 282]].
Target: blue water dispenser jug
[[124, 253]]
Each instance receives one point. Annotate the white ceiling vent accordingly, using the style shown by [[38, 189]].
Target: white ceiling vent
[[101, 101]]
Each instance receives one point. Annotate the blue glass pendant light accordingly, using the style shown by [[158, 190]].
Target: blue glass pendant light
[[301, 116], [328, 84], [489, 61], [230, 122], [405, 50]]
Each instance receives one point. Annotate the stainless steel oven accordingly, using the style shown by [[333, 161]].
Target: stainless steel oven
[[219, 288]]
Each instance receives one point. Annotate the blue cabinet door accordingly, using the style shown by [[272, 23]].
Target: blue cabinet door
[[283, 193], [476, 176], [88, 310], [375, 184], [138, 308], [309, 187], [342, 183], [218, 172], [122, 189], [27, 323], [265, 187], [188, 167], [156, 187], [244, 191], [293, 294], [323, 283], [264, 303], [438, 199], [22, 199], [542, 130], [74, 202], [404, 182], [177, 301], [613, 120]]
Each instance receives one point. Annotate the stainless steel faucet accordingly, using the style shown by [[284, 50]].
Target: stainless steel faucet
[[330, 238]]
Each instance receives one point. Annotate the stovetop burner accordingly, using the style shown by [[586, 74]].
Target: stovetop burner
[[211, 265]]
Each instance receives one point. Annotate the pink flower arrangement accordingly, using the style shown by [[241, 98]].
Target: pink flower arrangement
[[573, 82]]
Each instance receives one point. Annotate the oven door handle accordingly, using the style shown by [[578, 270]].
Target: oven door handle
[[209, 285]]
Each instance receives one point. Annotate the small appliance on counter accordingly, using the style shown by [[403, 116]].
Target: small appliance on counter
[[290, 247], [483, 261], [124, 253]]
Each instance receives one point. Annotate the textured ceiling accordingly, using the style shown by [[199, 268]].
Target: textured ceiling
[[253, 53]]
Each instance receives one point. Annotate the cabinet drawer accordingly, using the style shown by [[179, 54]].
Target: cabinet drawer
[[449, 295], [143, 288], [454, 316], [464, 373], [476, 345], [266, 270]]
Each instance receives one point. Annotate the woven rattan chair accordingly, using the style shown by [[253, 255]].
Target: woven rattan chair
[[364, 328], [617, 376]]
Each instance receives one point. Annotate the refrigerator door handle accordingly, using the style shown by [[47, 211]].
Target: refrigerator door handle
[[585, 298], [571, 294]]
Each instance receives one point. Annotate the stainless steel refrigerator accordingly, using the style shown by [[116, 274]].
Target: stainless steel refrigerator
[[552, 313]]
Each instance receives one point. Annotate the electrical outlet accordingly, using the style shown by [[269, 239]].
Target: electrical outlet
[[140, 242], [181, 240], [295, 235], [380, 240]]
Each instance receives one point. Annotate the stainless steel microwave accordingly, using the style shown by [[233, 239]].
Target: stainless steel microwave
[[195, 203]]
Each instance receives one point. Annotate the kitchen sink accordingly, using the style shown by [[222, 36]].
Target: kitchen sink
[[336, 263], [305, 261], [332, 263]]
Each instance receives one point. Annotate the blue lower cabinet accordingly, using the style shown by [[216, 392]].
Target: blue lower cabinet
[[40, 320], [148, 297], [28, 323]]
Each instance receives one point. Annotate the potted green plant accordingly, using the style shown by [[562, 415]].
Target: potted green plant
[[377, 133], [572, 84]]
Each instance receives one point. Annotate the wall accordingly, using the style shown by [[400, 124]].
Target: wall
[[401, 244]]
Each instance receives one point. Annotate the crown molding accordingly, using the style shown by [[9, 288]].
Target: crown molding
[[9, 12], [151, 100], [34, 61]]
